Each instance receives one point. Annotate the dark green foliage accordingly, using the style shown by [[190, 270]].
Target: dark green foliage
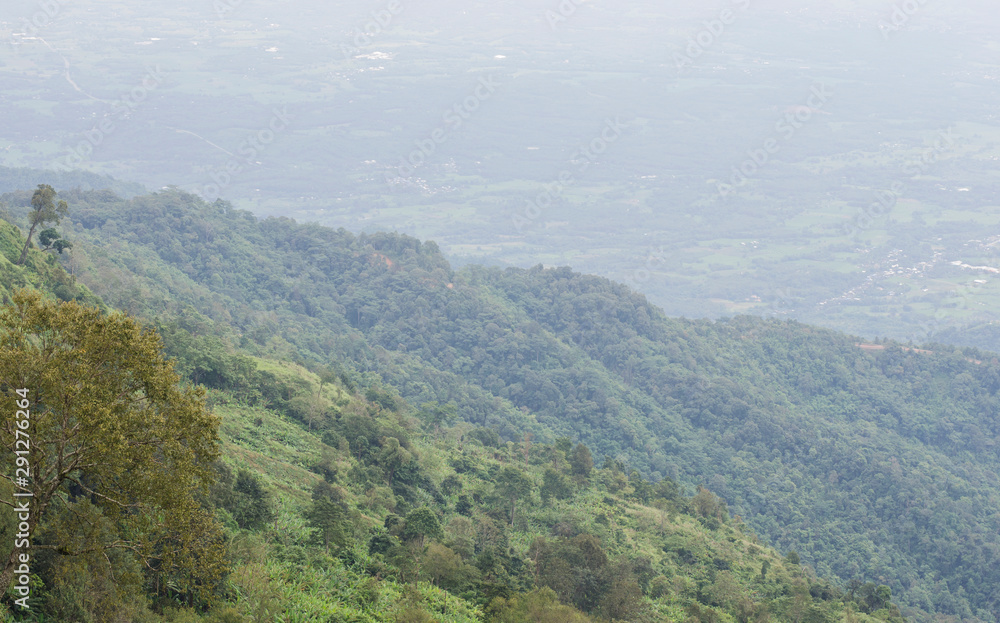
[[251, 505], [421, 524], [451, 485], [52, 239], [555, 485], [329, 516], [463, 506], [44, 209], [872, 597], [581, 461], [579, 572], [486, 436]]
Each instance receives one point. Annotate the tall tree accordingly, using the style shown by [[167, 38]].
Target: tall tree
[[581, 461], [513, 484], [45, 209], [91, 410], [420, 524], [329, 516]]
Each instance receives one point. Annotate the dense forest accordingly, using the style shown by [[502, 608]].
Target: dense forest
[[329, 497], [876, 464]]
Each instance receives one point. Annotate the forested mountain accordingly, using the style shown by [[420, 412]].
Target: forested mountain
[[15, 178], [877, 464], [333, 499]]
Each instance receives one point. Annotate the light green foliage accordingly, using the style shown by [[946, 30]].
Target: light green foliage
[[538, 606]]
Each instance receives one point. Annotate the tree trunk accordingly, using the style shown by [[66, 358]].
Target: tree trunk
[[27, 243]]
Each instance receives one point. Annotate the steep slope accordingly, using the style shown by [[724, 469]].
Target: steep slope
[[875, 464], [339, 506]]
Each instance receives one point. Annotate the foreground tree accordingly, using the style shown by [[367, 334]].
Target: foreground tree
[[106, 426], [45, 209]]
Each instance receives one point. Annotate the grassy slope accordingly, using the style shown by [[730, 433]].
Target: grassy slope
[[280, 451]]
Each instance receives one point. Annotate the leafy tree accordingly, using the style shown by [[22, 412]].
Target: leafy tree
[[564, 445], [709, 506], [329, 516], [421, 523], [539, 606], [486, 436], [45, 209], [251, 504], [451, 485], [106, 416], [445, 568], [51, 239], [513, 484], [555, 485], [463, 506], [580, 461], [391, 456], [872, 597], [623, 600], [434, 415]]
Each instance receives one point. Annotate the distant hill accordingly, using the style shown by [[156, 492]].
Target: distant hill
[[20, 178]]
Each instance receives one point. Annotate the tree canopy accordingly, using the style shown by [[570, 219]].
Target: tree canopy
[[109, 430]]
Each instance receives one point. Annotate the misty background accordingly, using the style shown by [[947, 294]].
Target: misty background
[[833, 162]]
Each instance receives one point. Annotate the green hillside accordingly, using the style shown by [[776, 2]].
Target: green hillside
[[339, 501], [795, 427], [875, 464]]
